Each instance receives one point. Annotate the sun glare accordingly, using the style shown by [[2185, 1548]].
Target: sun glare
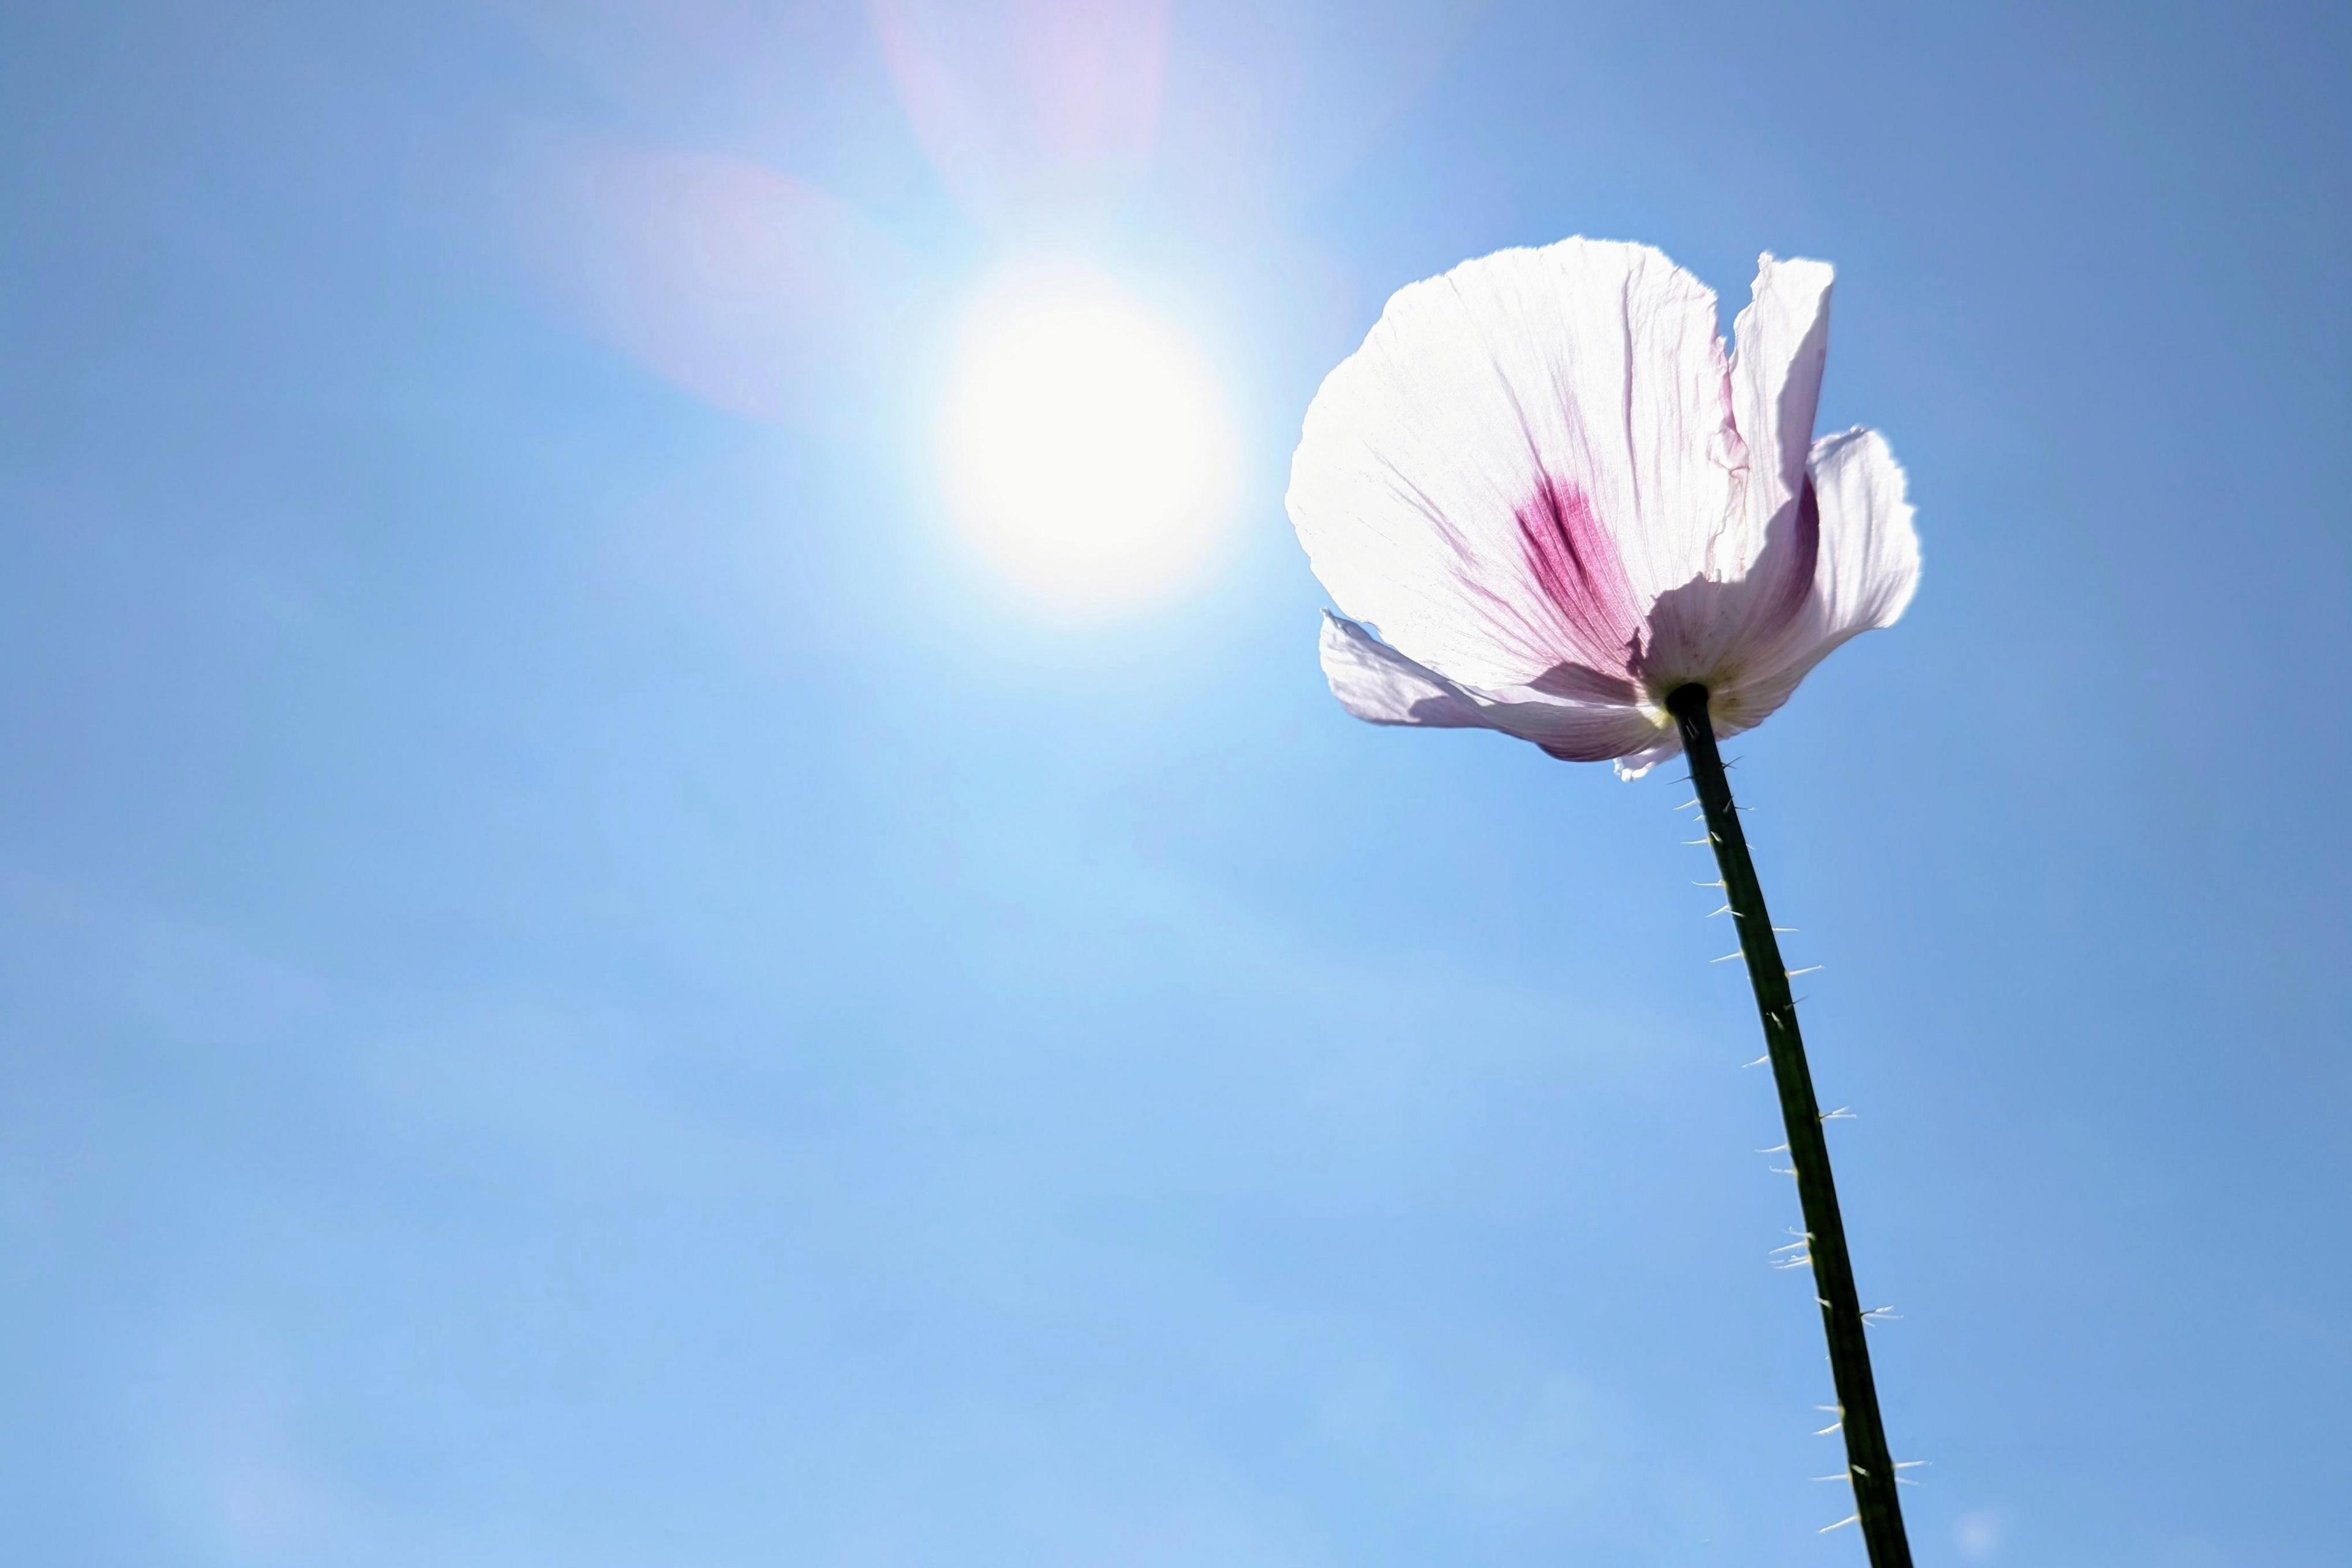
[[1087, 451]]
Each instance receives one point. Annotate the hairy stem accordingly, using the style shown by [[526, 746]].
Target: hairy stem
[[1868, 1465]]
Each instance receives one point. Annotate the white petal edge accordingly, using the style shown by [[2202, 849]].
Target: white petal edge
[[1633, 766], [1380, 686], [1869, 565]]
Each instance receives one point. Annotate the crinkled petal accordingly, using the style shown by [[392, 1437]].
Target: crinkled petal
[[1867, 570], [1375, 682], [1523, 454], [1751, 584], [1870, 551], [1780, 344]]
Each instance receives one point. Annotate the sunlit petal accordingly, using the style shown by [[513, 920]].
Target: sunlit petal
[[1522, 455], [1561, 502], [1375, 682]]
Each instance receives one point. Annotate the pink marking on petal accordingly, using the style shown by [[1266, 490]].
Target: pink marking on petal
[[1575, 562], [1804, 546], [1711, 627], [1807, 546]]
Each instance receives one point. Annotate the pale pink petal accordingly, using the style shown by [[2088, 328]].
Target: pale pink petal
[[1870, 552], [1780, 344], [1750, 582], [1580, 734], [1867, 570], [1375, 682], [1522, 455]]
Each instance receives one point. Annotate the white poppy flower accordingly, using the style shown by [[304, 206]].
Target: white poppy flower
[[1559, 500]]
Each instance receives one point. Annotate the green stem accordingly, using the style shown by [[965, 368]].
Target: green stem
[[1868, 1465]]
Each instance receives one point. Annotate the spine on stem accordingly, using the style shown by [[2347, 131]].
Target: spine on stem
[[1869, 1466]]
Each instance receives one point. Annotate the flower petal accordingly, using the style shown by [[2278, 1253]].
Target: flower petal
[[1375, 682], [1870, 551], [1749, 585], [1779, 346], [1635, 763], [1867, 570], [1379, 685], [1522, 455]]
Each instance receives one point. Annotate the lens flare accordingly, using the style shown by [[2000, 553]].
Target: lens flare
[[1086, 446]]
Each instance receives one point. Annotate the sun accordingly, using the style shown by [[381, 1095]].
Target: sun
[[1086, 446]]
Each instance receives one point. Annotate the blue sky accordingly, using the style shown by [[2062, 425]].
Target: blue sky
[[582, 983]]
